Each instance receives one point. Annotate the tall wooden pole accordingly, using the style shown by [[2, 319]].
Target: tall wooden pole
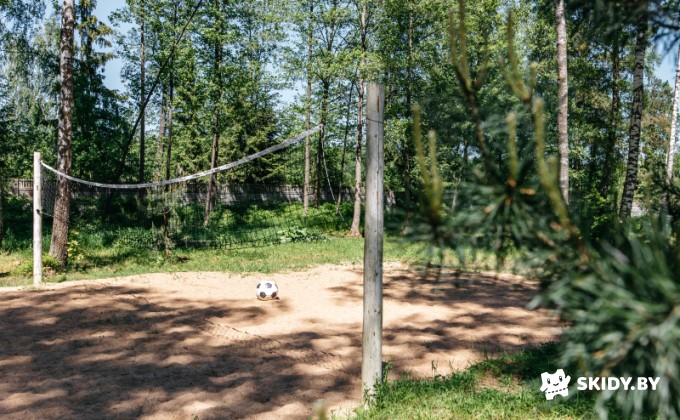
[[371, 362], [37, 221]]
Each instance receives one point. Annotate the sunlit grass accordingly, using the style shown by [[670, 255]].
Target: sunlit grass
[[16, 268], [502, 388], [101, 262]]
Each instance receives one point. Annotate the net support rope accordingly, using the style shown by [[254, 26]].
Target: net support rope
[[197, 175]]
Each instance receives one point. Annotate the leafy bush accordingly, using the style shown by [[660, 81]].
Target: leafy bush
[[50, 264], [152, 238], [298, 235]]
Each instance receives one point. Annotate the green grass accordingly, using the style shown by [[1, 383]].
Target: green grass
[[502, 388], [121, 242], [90, 260], [100, 262]]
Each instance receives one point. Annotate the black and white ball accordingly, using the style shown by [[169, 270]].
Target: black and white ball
[[267, 290]]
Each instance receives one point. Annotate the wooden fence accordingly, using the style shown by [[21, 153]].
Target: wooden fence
[[20, 187]]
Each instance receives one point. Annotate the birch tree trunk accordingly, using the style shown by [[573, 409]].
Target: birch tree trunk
[[563, 99], [670, 154], [62, 204], [635, 119]]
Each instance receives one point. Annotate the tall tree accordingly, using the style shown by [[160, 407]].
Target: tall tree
[[216, 88], [142, 93], [60, 226], [610, 146], [670, 154], [410, 70], [634, 132], [170, 101], [333, 35], [18, 24], [356, 218], [563, 98], [308, 105]]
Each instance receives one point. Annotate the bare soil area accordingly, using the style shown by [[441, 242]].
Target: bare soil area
[[175, 346]]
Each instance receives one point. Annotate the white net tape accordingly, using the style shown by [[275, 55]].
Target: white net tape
[[225, 167]]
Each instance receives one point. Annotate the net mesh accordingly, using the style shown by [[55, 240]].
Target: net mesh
[[258, 200]]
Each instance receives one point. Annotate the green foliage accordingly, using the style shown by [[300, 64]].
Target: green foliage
[[139, 237], [18, 224], [625, 318], [75, 250], [130, 222], [297, 235], [616, 287], [50, 264]]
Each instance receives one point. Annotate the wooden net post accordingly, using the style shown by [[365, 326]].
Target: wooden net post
[[371, 363], [37, 220]]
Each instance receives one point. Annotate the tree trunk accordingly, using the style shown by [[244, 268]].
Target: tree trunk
[[670, 154], [210, 199], [171, 102], [168, 150], [142, 93], [563, 99], [322, 137], [356, 219], [160, 153], [635, 119], [62, 204], [344, 146], [2, 213], [406, 147], [310, 40], [613, 123]]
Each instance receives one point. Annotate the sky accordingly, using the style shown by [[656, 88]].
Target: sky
[[112, 71], [665, 71]]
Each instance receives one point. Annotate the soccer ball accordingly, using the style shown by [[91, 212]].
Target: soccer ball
[[267, 290]]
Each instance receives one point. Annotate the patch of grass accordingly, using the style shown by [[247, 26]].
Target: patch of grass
[[100, 262], [95, 259], [506, 387]]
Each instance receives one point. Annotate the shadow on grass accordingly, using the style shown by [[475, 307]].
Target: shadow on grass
[[112, 257]]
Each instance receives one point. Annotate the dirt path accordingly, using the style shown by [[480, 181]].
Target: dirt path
[[167, 346]]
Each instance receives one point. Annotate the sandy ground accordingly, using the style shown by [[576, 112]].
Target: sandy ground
[[175, 346]]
